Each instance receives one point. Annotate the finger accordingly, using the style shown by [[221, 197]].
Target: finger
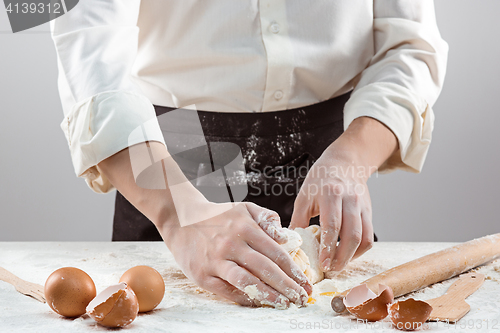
[[367, 237], [268, 272], [278, 255], [254, 288], [226, 290], [350, 233], [301, 212], [268, 220], [330, 220]]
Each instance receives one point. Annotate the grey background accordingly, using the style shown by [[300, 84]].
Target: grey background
[[455, 198]]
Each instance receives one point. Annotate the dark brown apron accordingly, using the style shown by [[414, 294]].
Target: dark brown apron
[[278, 148]]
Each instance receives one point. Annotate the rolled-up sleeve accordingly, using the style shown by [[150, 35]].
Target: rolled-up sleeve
[[96, 44], [403, 79]]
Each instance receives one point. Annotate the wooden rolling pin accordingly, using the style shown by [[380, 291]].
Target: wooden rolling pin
[[431, 268]]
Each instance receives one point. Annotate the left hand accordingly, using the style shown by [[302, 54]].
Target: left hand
[[335, 189]]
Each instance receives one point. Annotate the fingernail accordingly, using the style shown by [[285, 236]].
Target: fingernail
[[282, 303], [303, 300], [335, 265], [308, 288], [326, 264]]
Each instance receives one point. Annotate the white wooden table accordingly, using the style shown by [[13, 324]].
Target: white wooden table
[[187, 308]]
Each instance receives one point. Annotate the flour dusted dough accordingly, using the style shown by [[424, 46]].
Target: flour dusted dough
[[310, 246], [303, 246]]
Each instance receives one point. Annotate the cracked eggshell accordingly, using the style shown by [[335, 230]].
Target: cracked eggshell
[[147, 284], [115, 306], [68, 291], [409, 314], [365, 304]]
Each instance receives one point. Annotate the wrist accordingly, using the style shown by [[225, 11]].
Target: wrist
[[184, 201], [182, 216], [366, 143], [161, 194]]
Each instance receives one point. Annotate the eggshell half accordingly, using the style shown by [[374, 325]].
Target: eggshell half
[[68, 291], [409, 314], [115, 306], [147, 284], [365, 304]]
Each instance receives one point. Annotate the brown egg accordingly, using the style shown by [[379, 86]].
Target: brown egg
[[365, 304], [410, 314], [115, 306], [147, 284], [68, 291]]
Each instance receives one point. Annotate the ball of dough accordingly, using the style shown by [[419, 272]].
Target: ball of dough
[[303, 246]]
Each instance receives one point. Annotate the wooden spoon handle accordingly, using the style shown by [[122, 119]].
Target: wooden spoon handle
[[8, 277], [465, 286]]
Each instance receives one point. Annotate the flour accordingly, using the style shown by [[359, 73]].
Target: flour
[[250, 155], [255, 294], [188, 308], [355, 269], [175, 278], [294, 241], [269, 222]]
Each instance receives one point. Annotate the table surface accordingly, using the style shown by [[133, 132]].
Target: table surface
[[187, 308]]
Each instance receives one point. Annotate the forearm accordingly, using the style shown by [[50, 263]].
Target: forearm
[[366, 143], [156, 204]]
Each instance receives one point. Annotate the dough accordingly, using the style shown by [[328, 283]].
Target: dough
[[310, 245], [303, 246]]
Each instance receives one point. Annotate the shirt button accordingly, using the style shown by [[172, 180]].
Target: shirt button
[[275, 28], [278, 95]]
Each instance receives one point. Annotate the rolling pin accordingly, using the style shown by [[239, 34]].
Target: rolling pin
[[431, 268]]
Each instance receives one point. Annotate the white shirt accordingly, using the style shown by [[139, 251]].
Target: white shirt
[[118, 58]]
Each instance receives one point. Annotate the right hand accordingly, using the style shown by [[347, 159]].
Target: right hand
[[233, 255]]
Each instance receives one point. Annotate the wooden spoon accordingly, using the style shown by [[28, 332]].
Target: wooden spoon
[[452, 306], [24, 287]]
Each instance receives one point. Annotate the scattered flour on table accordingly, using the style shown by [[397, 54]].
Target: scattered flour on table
[[357, 269], [175, 278], [491, 271], [188, 308]]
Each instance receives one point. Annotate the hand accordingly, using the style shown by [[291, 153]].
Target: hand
[[234, 253], [335, 189], [231, 255]]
